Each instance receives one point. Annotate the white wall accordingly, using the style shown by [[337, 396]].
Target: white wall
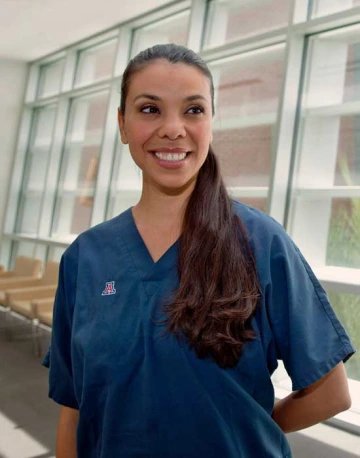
[[13, 76]]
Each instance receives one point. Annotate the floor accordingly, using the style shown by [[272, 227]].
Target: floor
[[28, 418]]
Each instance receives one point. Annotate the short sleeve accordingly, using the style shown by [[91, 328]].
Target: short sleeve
[[308, 336], [58, 357]]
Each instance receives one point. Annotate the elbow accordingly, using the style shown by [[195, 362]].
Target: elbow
[[343, 403], [346, 403]]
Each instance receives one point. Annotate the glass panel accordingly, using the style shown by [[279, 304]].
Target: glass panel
[[95, 63], [36, 169], [326, 186], [334, 62], [247, 96], [173, 29], [50, 78], [343, 246], [347, 172], [245, 155], [231, 19], [23, 248], [55, 253], [347, 308], [335, 229], [126, 184], [325, 7], [79, 166]]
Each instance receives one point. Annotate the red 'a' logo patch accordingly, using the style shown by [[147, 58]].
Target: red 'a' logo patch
[[109, 288]]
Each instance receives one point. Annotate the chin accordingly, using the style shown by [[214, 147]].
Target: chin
[[174, 187]]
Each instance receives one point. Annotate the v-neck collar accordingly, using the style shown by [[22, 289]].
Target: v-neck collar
[[151, 273]]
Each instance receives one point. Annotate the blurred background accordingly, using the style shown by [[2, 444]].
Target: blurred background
[[286, 130]]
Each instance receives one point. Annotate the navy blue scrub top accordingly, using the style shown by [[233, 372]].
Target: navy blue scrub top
[[140, 392]]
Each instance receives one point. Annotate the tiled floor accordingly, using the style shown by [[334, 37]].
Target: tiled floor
[[28, 418]]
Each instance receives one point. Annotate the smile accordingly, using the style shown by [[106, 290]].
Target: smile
[[171, 157]]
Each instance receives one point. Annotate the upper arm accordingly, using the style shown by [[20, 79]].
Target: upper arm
[[59, 357], [304, 329], [332, 388]]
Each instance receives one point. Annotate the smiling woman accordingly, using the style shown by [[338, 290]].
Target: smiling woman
[[170, 318]]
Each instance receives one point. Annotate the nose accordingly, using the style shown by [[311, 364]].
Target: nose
[[172, 127]]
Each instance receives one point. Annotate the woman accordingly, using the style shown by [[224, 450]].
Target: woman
[[170, 318]]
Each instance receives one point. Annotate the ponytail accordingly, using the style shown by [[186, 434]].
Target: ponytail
[[219, 287]]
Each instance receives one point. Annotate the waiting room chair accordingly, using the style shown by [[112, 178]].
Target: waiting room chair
[[24, 267], [18, 301], [15, 286], [25, 272], [42, 310]]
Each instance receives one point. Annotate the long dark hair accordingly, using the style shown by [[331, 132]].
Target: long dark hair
[[219, 288]]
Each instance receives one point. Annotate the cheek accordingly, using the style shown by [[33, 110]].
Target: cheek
[[139, 134], [203, 135]]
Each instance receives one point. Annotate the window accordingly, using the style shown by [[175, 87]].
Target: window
[[325, 7], [324, 217], [347, 308], [247, 96], [79, 166], [95, 63], [50, 78], [55, 253], [329, 142], [173, 29], [126, 182], [23, 249], [35, 170], [232, 19]]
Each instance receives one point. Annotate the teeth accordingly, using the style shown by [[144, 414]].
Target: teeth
[[171, 157]]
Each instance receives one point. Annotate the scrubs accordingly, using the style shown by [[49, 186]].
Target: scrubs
[[142, 393]]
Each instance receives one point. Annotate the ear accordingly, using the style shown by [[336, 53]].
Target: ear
[[121, 122]]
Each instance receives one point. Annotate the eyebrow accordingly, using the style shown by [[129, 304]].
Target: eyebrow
[[158, 99]]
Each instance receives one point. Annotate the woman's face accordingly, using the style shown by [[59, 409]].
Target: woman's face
[[168, 123]]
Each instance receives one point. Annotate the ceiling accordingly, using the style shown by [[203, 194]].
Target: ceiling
[[30, 29]]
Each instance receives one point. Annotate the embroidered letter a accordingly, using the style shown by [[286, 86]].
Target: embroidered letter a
[[109, 288]]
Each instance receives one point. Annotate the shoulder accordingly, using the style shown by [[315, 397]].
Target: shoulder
[[271, 245], [98, 237], [258, 225]]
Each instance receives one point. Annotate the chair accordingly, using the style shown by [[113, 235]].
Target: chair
[[19, 303], [24, 267], [15, 285], [42, 310], [18, 300]]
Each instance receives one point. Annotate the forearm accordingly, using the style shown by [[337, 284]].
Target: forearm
[[314, 404], [66, 433]]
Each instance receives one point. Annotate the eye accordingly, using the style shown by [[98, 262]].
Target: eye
[[149, 109], [196, 109]]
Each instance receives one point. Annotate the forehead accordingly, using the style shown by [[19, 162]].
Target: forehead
[[162, 77]]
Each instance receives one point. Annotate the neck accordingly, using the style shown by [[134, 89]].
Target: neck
[[160, 209]]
